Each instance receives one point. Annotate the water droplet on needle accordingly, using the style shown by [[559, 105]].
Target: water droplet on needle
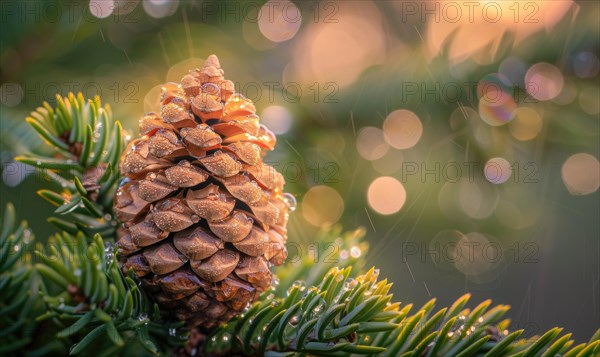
[[290, 200]]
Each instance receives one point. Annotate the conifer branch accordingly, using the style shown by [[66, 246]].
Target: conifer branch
[[86, 144], [338, 314], [95, 305], [18, 286]]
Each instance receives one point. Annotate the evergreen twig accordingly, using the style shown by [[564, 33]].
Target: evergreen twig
[[96, 305], [338, 314], [86, 146]]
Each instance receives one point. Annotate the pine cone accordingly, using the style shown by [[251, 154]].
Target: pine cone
[[203, 217]]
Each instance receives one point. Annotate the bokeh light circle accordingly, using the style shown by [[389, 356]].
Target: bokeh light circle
[[494, 88], [473, 199], [152, 99], [496, 104], [477, 200], [496, 115], [581, 174], [14, 172], [101, 8], [11, 94], [443, 250], [589, 100], [370, 143], [279, 20], [386, 195], [497, 170], [322, 206], [478, 257], [586, 65], [160, 8], [277, 118], [543, 81], [526, 125], [514, 69], [402, 129], [567, 95]]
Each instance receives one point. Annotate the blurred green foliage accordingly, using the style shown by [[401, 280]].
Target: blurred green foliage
[[548, 237]]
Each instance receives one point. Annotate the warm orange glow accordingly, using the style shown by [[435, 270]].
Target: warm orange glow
[[581, 174], [277, 118], [180, 69], [496, 114], [337, 50], [279, 20], [386, 195], [152, 99], [402, 129], [476, 28], [526, 124]]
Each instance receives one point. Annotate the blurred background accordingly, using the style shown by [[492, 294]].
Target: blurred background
[[463, 136]]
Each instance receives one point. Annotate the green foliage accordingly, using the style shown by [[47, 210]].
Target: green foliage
[[96, 307], [344, 315], [83, 164], [337, 314], [312, 266], [18, 288], [74, 299]]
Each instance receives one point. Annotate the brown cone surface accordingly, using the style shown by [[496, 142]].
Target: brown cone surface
[[203, 217]]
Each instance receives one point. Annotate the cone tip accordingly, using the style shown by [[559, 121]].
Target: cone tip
[[212, 60]]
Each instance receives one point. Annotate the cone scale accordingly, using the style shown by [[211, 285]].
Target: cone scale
[[203, 217]]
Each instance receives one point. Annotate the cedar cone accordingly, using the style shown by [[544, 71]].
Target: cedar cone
[[203, 217]]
